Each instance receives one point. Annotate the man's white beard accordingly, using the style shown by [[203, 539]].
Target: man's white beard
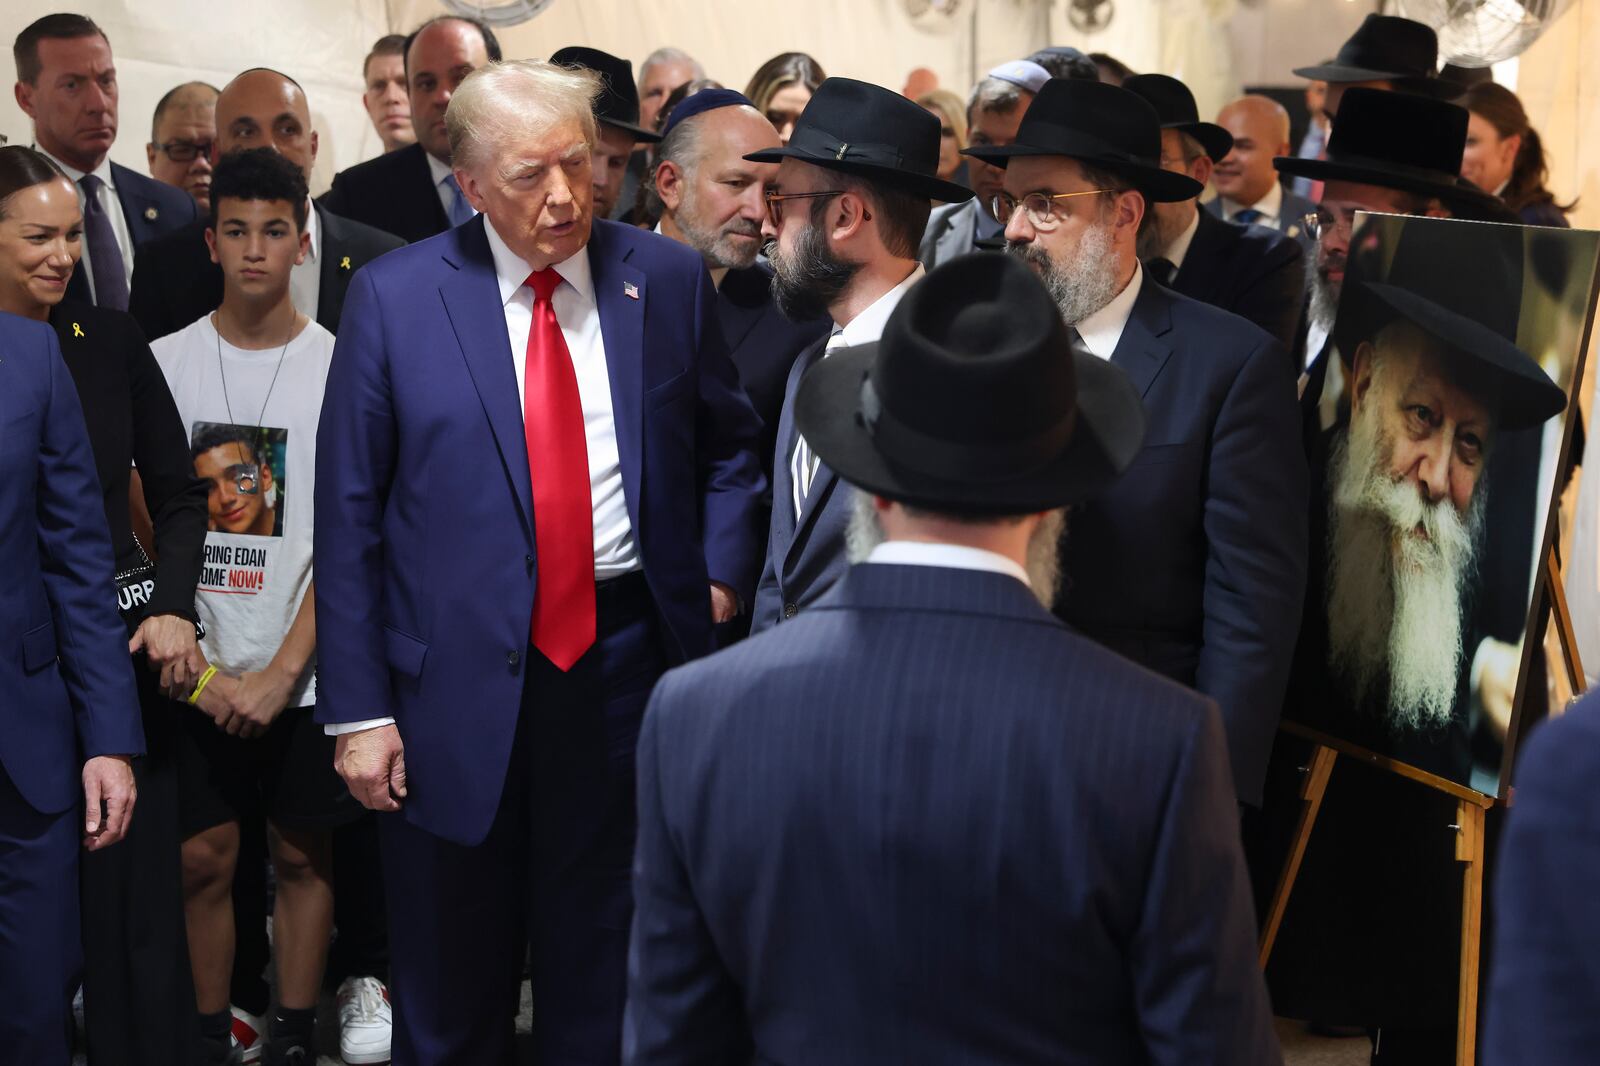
[[1082, 284], [1324, 299], [1395, 600], [1044, 547]]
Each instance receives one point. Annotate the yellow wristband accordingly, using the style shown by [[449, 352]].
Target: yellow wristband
[[205, 678]]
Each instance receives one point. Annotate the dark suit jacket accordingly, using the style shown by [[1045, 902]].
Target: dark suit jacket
[[176, 282], [925, 823], [65, 672], [763, 344], [1291, 214], [1544, 976], [152, 209], [426, 562], [1255, 272], [1194, 562], [805, 552], [394, 192]]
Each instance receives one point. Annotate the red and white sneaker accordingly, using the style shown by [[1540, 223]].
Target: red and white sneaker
[[249, 1034], [366, 1021]]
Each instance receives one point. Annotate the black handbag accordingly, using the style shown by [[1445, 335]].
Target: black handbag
[[136, 583]]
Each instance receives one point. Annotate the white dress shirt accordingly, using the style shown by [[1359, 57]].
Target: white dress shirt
[[305, 279], [446, 195], [1270, 206], [1102, 331], [1175, 252], [949, 556], [111, 204]]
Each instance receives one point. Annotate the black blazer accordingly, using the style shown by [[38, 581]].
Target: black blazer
[[1194, 562], [764, 345], [152, 210], [133, 421], [176, 282], [394, 192], [1255, 272]]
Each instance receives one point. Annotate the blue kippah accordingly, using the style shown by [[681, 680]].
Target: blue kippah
[[702, 101]]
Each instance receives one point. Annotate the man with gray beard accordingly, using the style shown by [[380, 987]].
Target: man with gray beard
[[845, 212], [1194, 564], [713, 199]]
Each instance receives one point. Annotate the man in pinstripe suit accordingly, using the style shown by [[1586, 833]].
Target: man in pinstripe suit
[[924, 821]]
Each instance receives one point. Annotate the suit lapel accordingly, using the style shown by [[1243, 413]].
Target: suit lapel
[[961, 232], [1142, 351], [472, 301], [742, 302], [1198, 275], [334, 276], [785, 520], [822, 483], [135, 208], [619, 293]]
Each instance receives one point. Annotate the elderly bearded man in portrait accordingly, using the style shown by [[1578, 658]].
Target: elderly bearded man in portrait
[[1435, 375], [540, 491]]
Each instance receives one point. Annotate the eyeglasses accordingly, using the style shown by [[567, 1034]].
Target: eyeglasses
[[184, 151], [1328, 220], [775, 202], [1040, 207]]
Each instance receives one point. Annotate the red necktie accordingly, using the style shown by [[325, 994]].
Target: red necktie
[[558, 467]]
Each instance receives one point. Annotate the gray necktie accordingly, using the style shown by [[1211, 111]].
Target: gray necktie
[[105, 257], [460, 210]]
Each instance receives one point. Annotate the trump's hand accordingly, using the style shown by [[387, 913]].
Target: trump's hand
[[373, 765], [724, 604], [107, 779]]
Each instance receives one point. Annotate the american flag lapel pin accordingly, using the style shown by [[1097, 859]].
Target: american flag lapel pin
[[630, 290]]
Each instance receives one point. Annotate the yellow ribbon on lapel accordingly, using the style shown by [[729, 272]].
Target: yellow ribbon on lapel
[[77, 330]]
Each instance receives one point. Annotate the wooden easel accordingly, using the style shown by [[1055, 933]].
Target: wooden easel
[[1471, 806]]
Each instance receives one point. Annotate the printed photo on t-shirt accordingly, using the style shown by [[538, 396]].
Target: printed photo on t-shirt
[[244, 467]]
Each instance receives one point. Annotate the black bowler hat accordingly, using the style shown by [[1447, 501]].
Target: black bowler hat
[[1461, 283], [867, 130], [1175, 106], [973, 400], [1103, 125], [618, 104], [1386, 48], [1398, 141]]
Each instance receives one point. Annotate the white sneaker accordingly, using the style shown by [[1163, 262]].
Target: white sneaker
[[249, 1034], [366, 1021]]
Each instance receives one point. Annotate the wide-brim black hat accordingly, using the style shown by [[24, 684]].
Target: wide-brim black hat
[[858, 128], [618, 104], [1384, 48], [1176, 109], [1103, 125], [1473, 312], [1392, 140], [973, 399]]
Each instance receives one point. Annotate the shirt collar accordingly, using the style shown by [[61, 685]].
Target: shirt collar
[[439, 170], [1270, 205], [512, 271], [949, 556], [1179, 247], [314, 230], [103, 171], [1102, 330], [867, 327]]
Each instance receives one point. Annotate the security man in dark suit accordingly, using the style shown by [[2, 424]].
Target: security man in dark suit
[[1195, 563], [951, 830], [411, 191], [712, 199], [67, 84], [178, 281], [1256, 272]]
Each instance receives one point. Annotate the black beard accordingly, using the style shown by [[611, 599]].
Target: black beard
[[806, 285]]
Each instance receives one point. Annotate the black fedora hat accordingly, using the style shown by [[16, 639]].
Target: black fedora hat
[[1385, 48], [973, 399], [1393, 140], [618, 104], [1175, 106], [1461, 283], [1103, 125], [859, 128]]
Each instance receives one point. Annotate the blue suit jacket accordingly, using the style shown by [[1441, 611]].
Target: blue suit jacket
[[1194, 562], [1544, 977], [151, 208], [65, 672], [925, 823], [424, 537], [805, 552]]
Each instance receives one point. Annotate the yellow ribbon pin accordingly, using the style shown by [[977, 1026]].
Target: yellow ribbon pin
[[344, 264], [77, 330]]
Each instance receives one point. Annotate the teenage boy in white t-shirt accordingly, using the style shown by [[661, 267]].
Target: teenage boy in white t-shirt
[[248, 383]]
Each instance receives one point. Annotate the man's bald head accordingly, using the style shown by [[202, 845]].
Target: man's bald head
[[193, 101], [181, 135], [264, 108], [1260, 128]]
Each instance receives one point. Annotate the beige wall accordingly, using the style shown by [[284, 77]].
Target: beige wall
[[1560, 88]]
